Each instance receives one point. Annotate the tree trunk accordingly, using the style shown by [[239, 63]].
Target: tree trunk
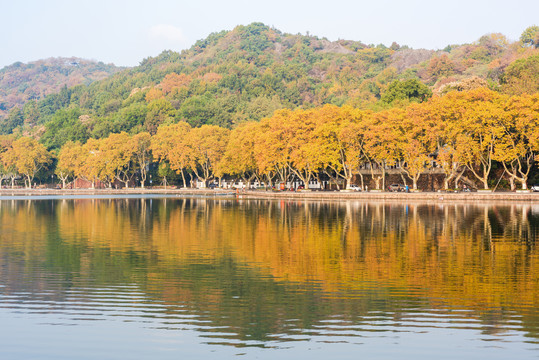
[[377, 182], [183, 179], [362, 181], [446, 183], [485, 183], [512, 182], [349, 180]]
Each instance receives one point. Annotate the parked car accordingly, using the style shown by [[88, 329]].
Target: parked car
[[355, 187], [534, 187], [396, 187]]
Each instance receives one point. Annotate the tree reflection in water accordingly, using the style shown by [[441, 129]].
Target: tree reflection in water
[[261, 271]]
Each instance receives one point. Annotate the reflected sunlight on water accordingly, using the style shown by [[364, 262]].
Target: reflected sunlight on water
[[220, 278]]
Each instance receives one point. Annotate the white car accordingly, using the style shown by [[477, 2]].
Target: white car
[[534, 188], [355, 187]]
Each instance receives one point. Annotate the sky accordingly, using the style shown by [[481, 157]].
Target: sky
[[126, 32]]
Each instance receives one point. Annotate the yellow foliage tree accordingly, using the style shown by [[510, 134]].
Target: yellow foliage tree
[[141, 154], [27, 156], [117, 155], [239, 158], [519, 143], [206, 146], [381, 141], [271, 147], [480, 131], [69, 160], [170, 144]]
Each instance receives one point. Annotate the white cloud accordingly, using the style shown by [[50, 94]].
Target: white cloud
[[167, 32]]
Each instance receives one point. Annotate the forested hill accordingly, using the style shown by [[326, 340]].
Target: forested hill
[[20, 82], [247, 73]]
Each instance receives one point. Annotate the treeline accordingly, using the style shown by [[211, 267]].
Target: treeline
[[472, 131], [248, 73]]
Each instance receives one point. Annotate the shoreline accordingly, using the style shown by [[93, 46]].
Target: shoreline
[[306, 195]]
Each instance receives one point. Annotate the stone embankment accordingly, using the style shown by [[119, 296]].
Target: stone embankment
[[307, 195]]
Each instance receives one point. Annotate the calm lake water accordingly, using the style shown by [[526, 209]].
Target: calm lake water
[[205, 278]]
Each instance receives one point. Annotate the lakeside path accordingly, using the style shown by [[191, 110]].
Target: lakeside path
[[307, 195]]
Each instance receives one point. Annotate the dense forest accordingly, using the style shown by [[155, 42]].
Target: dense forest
[[245, 75]]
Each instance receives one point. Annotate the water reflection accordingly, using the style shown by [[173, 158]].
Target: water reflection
[[264, 273]]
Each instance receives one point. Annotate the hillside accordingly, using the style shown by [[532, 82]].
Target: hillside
[[20, 82], [247, 73]]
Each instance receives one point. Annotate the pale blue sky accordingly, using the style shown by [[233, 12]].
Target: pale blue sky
[[125, 32]]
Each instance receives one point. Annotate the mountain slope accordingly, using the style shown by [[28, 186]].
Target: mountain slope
[[20, 82], [249, 72]]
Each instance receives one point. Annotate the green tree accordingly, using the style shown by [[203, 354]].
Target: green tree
[[65, 126], [160, 111], [31, 113], [530, 36], [521, 76], [411, 90], [14, 119], [198, 110]]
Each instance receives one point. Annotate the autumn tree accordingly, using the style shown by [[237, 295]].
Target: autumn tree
[[480, 131], [169, 145], [206, 145], [447, 114], [92, 164], [303, 149], [441, 66], [518, 145], [352, 135], [7, 169], [333, 146], [416, 142], [69, 161], [271, 146], [27, 156], [239, 158], [140, 144], [117, 154], [174, 81], [381, 141]]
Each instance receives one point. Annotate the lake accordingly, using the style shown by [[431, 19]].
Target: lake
[[207, 278]]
